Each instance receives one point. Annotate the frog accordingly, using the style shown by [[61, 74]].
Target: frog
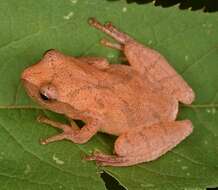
[[137, 102]]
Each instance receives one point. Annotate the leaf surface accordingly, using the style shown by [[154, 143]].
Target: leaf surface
[[187, 39]]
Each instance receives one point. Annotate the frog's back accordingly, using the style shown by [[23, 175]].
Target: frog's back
[[141, 101]]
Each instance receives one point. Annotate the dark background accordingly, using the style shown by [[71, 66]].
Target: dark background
[[204, 5]]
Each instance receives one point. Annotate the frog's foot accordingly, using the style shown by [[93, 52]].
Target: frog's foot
[[106, 160], [67, 130], [72, 133], [109, 29]]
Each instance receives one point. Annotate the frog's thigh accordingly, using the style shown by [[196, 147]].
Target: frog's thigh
[[149, 143], [150, 63], [145, 144], [99, 62]]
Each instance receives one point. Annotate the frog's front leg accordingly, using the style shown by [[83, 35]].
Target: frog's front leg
[[145, 144], [72, 133]]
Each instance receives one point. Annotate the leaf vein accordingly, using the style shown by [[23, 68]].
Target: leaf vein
[[25, 179]]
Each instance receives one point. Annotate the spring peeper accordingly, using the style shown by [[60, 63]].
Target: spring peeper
[[136, 102]]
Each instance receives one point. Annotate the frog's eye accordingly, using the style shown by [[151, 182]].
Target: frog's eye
[[48, 92], [44, 96]]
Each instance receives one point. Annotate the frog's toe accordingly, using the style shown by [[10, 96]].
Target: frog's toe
[[109, 26], [41, 118], [109, 44], [106, 160], [113, 161], [54, 138], [94, 155]]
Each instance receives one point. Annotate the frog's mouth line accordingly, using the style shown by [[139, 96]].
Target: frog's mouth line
[[30, 88]]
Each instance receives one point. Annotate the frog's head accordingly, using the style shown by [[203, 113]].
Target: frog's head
[[51, 80]]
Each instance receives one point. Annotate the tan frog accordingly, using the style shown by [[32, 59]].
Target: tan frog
[[136, 102]]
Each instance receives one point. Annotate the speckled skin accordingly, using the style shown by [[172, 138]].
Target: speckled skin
[[136, 102]]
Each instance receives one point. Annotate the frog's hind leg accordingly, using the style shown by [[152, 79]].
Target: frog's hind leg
[[148, 62], [155, 67], [145, 144]]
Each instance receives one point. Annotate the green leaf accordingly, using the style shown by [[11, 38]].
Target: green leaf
[[187, 39]]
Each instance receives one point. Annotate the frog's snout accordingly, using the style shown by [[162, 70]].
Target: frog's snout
[[24, 74]]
